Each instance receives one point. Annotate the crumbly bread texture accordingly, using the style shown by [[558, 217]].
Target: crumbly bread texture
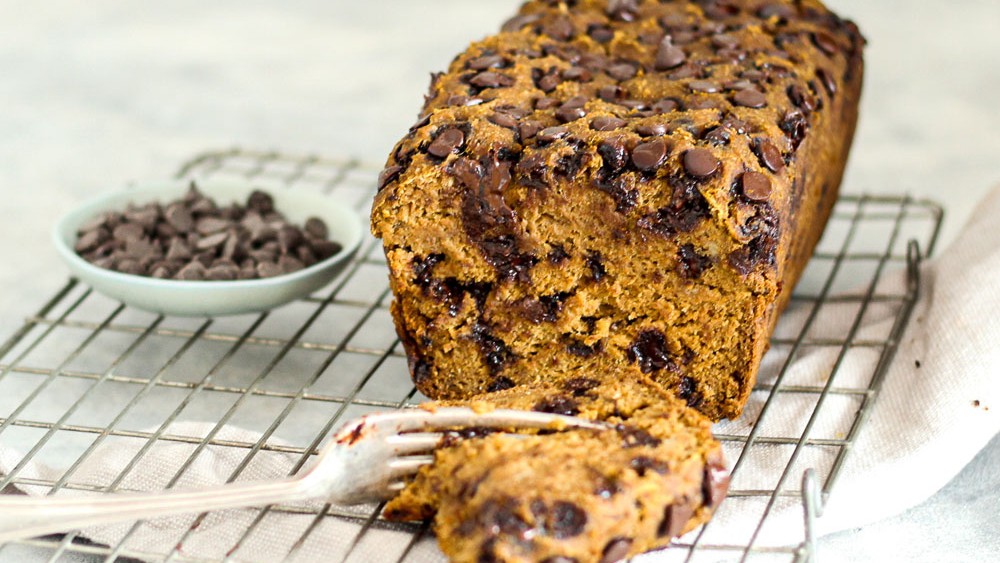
[[627, 183], [571, 496]]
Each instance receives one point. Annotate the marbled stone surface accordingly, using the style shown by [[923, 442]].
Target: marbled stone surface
[[96, 94]]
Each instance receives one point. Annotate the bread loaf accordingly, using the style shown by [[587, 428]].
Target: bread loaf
[[618, 185]]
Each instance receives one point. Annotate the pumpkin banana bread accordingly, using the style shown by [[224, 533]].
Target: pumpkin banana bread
[[576, 495], [618, 186]]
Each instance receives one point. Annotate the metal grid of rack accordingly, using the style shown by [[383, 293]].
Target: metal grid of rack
[[87, 373]]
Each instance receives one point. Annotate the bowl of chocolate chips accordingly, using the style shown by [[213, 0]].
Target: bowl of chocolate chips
[[208, 248]]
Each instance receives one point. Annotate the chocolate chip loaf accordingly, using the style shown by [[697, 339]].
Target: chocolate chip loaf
[[618, 183], [572, 496]]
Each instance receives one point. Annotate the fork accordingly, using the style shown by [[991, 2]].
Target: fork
[[368, 460]]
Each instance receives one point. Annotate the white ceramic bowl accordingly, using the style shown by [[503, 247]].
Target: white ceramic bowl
[[213, 298]]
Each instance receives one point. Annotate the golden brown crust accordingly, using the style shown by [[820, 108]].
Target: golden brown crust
[[609, 184]]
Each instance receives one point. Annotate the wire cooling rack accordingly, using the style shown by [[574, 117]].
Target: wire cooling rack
[[87, 374]]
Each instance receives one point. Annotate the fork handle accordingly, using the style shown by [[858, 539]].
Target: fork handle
[[22, 516]]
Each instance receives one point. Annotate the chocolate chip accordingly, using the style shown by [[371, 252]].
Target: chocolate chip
[[212, 241], [517, 22], [649, 155], [490, 79], [179, 217], [668, 55], [577, 74], [675, 518], [826, 43], [616, 550], [700, 163], [546, 103], [795, 126], [623, 10], [750, 98], [826, 78], [666, 105], [715, 484], [550, 134], [707, 86], [496, 355], [568, 114], [194, 271], [559, 559], [557, 404], [606, 123], [387, 175], [529, 129], [802, 98], [769, 155], [486, 61], [610, 93], [651, 129], [316, 228], [261, 202], [622, 71], [91, 240], [447, 141], [560, 28], [212, 225], [756, 186], [504, 120], [600, 33], [649, 351], [688, 390]]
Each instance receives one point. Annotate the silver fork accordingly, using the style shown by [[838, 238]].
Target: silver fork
[[368, 460]]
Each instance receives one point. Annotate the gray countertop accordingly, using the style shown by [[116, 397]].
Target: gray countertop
[[99, 93]]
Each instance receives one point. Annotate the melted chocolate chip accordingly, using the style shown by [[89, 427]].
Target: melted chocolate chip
[[633, 437], [755, 186], [750, 98], [558, 404], [447, 141], [577, 74], [579, 386], [496, 354], [596, 265], [500, 517], [644, 464], [607, 487], [616, 550], [717, 136], [558, 254], [690, 263], [769, 155], [567, 520], [468, 172], [688, 391], [499, 384], [700, 163], [795, 126], [668, 55], [649, 350]]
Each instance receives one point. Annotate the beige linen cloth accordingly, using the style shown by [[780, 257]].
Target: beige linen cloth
[[928, 423]]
